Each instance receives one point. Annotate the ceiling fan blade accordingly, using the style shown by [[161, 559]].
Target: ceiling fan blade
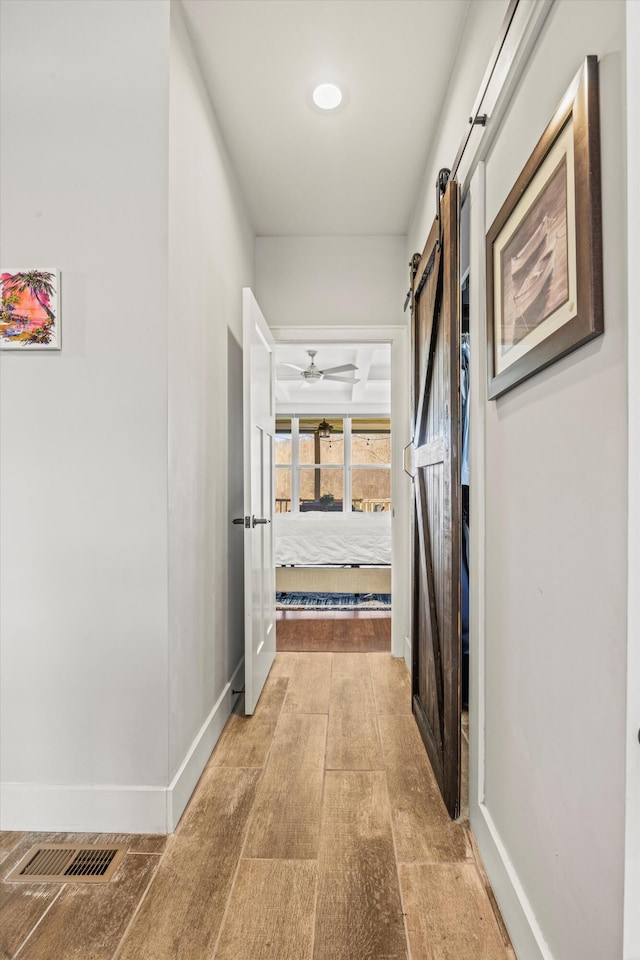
[[341, 379], [283, 363], [342, 369]]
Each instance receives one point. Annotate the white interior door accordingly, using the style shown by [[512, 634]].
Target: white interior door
[[259, 563]]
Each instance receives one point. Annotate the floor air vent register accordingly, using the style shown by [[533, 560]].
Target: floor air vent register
[[67, 863]]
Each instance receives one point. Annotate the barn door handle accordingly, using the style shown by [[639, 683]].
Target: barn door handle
[[404, 459]]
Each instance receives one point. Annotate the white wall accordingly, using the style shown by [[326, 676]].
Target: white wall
[[632, 831], [480, 34], [548, 810], [120, 629], [341, 281], [210, 260], [556, 550], [83, 432]]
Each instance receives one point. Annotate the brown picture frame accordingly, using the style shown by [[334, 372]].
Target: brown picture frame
[[544, 248]]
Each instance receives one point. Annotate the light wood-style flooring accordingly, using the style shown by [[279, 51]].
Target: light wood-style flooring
[[316, 833], [336, 631]]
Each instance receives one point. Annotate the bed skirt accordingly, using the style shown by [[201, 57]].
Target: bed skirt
[[333, 579]]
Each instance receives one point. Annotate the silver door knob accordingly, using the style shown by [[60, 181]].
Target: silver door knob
[[256, 520]]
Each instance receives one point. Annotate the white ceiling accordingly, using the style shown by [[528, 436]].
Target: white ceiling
[[307, 173], [372, 392]]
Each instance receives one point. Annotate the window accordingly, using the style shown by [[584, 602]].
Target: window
[[371, 465], [283, 462], [333, 464], [371, 490], [321, 489], [321, 459]]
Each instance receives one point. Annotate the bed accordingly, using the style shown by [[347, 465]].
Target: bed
[[334, 553], [312, 539]]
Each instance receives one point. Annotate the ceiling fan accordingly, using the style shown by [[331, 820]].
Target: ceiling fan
[[312, 374]]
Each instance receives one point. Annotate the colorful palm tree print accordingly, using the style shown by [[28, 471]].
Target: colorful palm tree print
[[28, 308]]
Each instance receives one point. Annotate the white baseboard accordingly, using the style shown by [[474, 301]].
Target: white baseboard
[[44, 808], [407, 653], [190, 770], [526, 935], [119, 808]]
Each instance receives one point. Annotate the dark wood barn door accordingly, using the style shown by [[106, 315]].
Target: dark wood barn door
[[437, 497]]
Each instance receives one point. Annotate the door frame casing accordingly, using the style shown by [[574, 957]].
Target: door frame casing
[[397, 337], [631, 947]]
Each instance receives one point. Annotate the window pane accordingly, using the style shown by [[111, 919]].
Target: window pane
[[371, 441], [283, 440], [320, 443], [321, 489], [332, 446], [283, 489], [371, 490], [307, 446]]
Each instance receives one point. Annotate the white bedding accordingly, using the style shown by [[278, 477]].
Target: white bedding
[[326, 538]]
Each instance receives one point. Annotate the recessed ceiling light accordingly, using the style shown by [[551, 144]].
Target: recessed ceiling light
[[327, 96]]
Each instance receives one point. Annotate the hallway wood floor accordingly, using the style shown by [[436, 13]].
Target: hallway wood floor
[[316, 833]]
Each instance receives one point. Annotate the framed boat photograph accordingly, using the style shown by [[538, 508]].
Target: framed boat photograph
[[544, 248]]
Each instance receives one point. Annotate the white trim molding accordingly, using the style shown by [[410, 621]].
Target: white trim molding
[[631, 950], [398, 337], [190, 770], [65, 808], [501, 83], [517, 913], [117, 808], [477, 558]]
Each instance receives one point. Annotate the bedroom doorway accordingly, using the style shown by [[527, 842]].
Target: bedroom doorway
[[337, 515], [332, 527]]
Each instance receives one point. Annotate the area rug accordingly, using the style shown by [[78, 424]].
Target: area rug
[[333, 601]]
